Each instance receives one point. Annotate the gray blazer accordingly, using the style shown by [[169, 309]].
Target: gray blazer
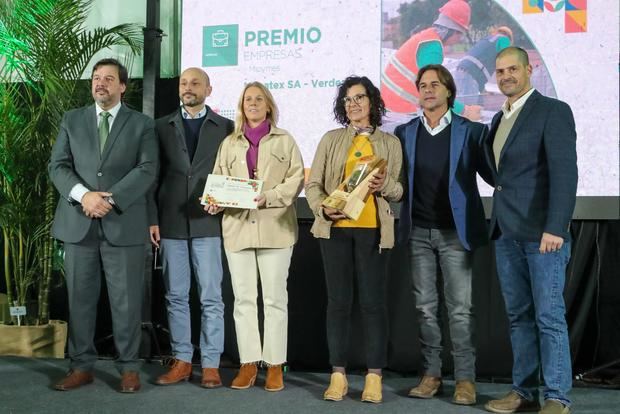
[[173, 202], [126, 168]]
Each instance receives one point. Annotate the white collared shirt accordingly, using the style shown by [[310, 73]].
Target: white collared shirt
[[187, 115], [78, 190], [508, 112], [113, 113], [445, 120]]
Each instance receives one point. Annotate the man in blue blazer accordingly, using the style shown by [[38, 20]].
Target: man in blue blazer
[[103, 163], [534, 149], [442, 220]]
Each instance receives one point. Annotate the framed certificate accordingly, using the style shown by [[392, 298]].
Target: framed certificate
[[226, 191]]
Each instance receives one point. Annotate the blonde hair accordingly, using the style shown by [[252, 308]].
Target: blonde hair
[[272, 108]]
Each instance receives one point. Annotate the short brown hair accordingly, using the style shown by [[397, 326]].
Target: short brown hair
[[445, 77]]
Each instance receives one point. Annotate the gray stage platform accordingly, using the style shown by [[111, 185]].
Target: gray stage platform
[[26, 388]]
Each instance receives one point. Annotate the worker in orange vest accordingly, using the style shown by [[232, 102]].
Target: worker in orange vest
[[398, 88]]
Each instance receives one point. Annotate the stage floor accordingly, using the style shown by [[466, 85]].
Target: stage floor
[[27, 388]]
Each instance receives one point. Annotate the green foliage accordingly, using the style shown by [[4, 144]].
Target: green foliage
[[44, 50]]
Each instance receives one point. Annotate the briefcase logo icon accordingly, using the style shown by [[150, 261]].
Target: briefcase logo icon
[[219, 39], [220, 45]]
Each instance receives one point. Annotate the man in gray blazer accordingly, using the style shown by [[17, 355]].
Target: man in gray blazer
[[534, 148], [103, 163], [189, 238]]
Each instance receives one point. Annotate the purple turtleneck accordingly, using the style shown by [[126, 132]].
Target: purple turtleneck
[[254, 135]]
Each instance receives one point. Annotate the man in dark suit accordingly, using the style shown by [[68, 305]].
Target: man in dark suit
[[103, 163], [190, 239], [534, 149], [442, 221]]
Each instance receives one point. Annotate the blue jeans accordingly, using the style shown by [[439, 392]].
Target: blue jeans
[[204, 255], [427, 248], [532, 285]]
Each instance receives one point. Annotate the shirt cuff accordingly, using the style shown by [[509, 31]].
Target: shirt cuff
[[77, 192]]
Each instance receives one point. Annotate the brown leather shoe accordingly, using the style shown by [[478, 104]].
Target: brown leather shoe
[[512, 403], [245, 377], [274, 381], [464, 393], [210, 378], [180, 371], [74, 379], [130, 382], [554, 407], [427, 388]]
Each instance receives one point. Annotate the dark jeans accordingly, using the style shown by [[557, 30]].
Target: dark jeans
[[352, 254]]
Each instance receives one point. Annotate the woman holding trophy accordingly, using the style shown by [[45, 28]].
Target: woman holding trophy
[[355, 226], [259, 242]]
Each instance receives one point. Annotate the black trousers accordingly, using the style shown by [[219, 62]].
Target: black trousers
[[352, 255]]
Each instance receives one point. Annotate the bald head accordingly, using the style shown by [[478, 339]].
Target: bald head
[[517, 52], [194, 88]]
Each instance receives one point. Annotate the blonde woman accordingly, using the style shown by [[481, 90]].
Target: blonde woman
[[259, 242]]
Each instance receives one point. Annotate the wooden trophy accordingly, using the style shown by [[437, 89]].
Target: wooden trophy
[[351, 195]]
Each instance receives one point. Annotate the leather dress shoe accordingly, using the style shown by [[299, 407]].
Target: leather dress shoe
[[464, 393], [180, 371], [130, 382], [210, 378], [74, 379], [512, 403], [427, 388]]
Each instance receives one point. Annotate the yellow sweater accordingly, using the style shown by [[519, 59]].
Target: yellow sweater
[[368, 219]]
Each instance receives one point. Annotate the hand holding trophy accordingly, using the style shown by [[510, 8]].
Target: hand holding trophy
[[351, 195]]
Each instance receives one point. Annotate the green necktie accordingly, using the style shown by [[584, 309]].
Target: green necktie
[[104, 129]]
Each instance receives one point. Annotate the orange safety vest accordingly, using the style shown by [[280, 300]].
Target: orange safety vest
[[398, 88]]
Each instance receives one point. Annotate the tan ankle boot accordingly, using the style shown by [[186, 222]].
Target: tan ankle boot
[[274, 380], [245, 377], [372, 389], [338, 387]]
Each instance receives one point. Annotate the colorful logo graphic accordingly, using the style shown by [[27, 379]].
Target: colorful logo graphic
[[575, 12], [220, 45]]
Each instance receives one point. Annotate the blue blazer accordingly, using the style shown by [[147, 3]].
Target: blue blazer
[[468, 155], [536, 180]]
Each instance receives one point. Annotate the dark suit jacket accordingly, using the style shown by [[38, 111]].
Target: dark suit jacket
[[126, 168], [536, 180], [174, 204], [468, 155]]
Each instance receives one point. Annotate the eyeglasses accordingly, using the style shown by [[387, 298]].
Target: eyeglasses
[[357, 99]]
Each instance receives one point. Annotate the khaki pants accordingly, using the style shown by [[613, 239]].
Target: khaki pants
[[271, 265]]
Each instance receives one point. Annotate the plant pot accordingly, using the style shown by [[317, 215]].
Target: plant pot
[[38, 341]]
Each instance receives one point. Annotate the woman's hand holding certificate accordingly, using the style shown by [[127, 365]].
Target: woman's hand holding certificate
[[235, 192]]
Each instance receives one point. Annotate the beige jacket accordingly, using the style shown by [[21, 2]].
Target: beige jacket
[[327, 173], [281, 168]]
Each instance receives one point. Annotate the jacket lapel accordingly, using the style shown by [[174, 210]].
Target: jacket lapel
[[458, 132], [411, 137], [117, 126], [207, 151], [176, 121], [522, 117], [92, 132]]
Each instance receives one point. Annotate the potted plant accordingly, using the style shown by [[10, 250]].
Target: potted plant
[[44, 50]]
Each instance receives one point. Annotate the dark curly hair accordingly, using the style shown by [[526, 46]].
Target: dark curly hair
[[377, 107]]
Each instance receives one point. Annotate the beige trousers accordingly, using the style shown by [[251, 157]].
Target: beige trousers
[[271, 265]]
